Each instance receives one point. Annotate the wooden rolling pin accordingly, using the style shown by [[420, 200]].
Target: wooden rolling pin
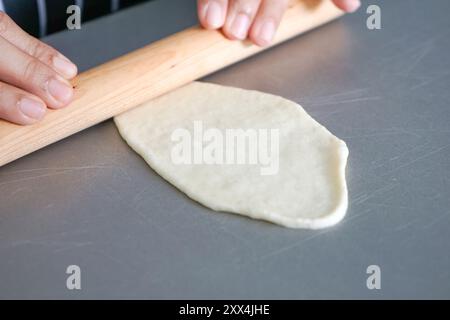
[[123, 83]]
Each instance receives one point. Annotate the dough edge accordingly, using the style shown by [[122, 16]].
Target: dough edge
[[327, 220]]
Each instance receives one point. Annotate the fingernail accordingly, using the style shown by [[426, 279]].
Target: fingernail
[[267, 32], [353, 5], [32, 108], [60, 91], [65, 67], [214, 15], [240, 26]]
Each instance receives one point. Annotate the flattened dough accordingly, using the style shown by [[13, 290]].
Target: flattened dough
[[309, 189]]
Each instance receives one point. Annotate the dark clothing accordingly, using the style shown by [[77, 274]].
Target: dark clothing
[[42, 17]]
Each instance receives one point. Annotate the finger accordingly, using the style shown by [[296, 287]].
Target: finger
[[11, 32], [28, 73], [267, 21], [20, 107], [348, 5], [240, 17], [212, 13]]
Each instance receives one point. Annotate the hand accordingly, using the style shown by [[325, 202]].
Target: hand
[[254, 19], [33, 76]]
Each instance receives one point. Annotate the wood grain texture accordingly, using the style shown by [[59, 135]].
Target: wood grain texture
[[123, 83]]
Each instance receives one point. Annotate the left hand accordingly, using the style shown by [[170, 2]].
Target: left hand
[[257, 20]]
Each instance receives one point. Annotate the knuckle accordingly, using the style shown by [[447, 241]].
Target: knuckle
[[3, 22], [40, 51], [34, 48], [30, 70], [45, 56]]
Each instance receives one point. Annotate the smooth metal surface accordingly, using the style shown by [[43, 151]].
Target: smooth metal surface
[[91, 201]]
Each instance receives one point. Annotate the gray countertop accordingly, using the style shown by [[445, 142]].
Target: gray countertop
[[91, 201]]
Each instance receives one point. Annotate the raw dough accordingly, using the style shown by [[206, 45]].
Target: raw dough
[[305, 189]]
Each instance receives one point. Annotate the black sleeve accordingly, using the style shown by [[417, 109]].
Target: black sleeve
[[127, 3], [25, 14], [56, 14], [95, 8]]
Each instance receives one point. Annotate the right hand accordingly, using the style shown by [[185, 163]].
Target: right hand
[[253, 19], [33, 75]]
